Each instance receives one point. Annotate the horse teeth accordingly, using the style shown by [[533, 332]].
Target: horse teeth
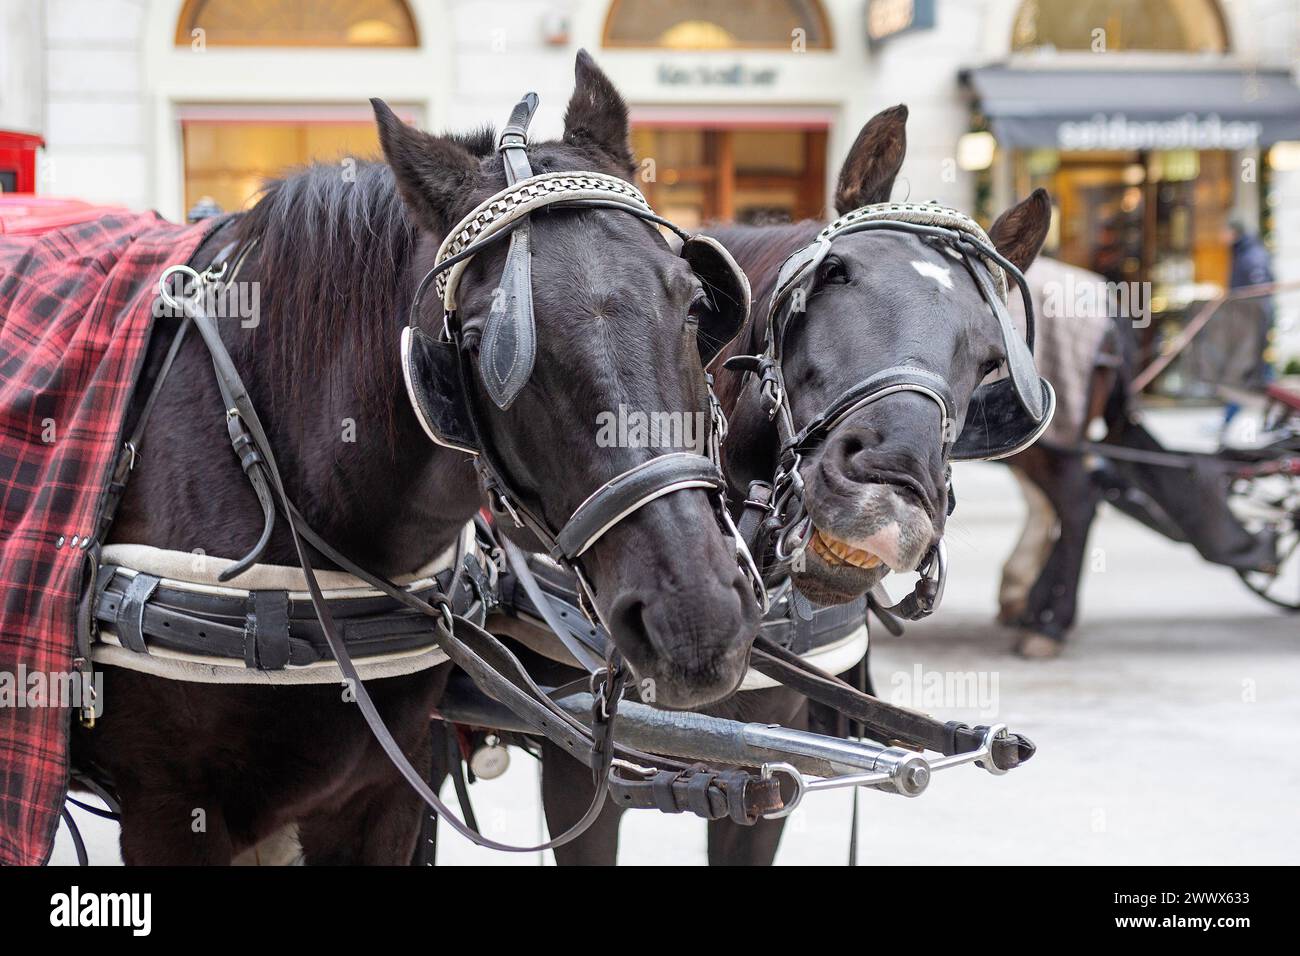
[[834, 551]]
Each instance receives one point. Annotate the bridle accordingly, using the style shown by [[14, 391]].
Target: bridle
[[437, 381], [628, 776], [1004, 416], [439, 373]]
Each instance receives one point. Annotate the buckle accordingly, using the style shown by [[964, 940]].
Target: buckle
[[770, 770], [501, 503]]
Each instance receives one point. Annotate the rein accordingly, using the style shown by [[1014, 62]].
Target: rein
[[437, 379], [654, 781]]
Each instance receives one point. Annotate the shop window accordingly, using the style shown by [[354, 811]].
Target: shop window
[[229, 161], [1153, 223], [1136, 217], [1191, 26], [324, 23], [717, 24], [749, 175]]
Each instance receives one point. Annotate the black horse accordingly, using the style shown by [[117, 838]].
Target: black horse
[[877, 487], [204, 771]]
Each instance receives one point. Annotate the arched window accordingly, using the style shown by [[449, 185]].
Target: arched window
[[717, 24], [325, 23], [1189, 26]]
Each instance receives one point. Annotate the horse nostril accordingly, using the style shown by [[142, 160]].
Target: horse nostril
[[852, 446], [628, 617]]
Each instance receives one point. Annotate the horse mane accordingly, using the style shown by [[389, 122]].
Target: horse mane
[[334, 255]]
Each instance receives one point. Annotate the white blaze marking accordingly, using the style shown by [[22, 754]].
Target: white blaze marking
[[940, 274]]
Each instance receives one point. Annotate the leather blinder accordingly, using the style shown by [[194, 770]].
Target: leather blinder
[[727, 288], [431, 370]]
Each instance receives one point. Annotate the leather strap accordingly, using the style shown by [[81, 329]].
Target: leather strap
[[509, 344], [754, 512], [514, 137], [220, 625], [736, 795], [131, 618], [898, 378], [883, 721], [266, 635], [629, 492], [585, 655]]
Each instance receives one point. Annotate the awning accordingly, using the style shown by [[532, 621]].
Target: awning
[[1093, 109]]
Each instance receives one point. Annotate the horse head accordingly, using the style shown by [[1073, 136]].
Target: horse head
[[612, 335], [872, 306]]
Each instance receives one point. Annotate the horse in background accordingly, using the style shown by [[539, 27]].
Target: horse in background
[[1090, 355]]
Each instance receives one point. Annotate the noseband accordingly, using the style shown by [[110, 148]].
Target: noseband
[[1004, 416], [439, 373]]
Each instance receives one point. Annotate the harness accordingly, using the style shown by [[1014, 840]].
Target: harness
[[269, 629], [437, 381], [1004, 417]]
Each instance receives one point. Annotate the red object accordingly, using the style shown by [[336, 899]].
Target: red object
[[18, 161], [26, 215], [1284, 395], [76, 313]]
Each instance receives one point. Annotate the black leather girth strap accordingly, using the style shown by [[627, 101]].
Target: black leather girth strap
[[130, 622], [266, 637]]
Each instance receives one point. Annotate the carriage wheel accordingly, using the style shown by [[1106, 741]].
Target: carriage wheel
[[1272, 502]]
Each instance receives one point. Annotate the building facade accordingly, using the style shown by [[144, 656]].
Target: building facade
[[741, 108]]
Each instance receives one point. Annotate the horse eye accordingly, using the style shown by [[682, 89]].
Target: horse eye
[[989, 367], [833, 271], [698, 304]]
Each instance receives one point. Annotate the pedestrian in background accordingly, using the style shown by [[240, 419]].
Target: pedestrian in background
[[1239, 334]]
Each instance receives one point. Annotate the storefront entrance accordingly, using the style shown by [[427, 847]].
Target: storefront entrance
[[229, 160], [697, 175], [1156, 217]]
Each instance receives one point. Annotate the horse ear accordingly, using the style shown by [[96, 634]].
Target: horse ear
[[433, 173], [596, 115], [1019, 232], [873, 162]]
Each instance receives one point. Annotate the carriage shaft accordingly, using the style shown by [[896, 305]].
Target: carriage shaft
[[691, 736]]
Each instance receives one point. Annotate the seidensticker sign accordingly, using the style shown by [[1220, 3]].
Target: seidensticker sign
[[1188, 131]]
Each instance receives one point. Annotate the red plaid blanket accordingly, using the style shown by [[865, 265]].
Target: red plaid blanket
[[75, 318]]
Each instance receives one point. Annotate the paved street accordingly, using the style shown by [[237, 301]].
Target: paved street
[[1166, 732]]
